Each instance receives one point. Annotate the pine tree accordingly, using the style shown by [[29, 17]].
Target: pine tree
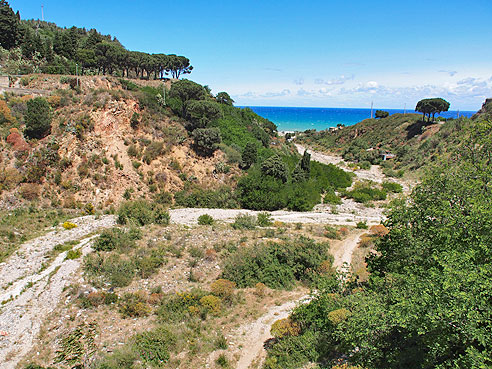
[[9, 26]]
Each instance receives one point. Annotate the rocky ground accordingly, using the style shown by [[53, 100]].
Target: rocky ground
[[33, 278]]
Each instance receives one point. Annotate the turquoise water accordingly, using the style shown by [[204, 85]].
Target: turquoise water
[[301, 119]]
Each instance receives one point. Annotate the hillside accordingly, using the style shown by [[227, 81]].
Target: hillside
[[106, 143], [414, 143]]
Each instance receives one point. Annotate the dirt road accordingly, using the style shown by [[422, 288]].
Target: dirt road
[[256, 333]]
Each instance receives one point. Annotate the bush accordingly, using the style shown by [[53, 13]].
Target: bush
[[134, 305], [285, 327], [73, 254], [293, 352], [244, 221], [115, 238], [206, 140], [364, 193], [176, 307], [222, 197], [223, 288], [142, 212], [211, 304], [37, 118], [331, 198], [361, 225], [69, 225], [330, 232], [264, 220], [277, 265], [153, 346], [112, 269], [392, 187], [205, 219], [153, 151]]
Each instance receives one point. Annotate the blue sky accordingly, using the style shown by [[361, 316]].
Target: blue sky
[[327, 53]]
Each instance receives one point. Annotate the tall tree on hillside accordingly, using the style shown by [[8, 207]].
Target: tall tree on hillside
[[249, 155], [184, 91], [9, 26], [178, 65], [431, 106]]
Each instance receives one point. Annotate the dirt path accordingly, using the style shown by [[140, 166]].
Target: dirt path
[[256, 333]]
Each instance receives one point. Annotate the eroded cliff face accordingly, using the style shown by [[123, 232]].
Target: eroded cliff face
[[96, 154]]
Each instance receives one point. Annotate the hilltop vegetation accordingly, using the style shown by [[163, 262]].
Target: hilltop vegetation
[[423, 305], [34, 46], [415, 143]]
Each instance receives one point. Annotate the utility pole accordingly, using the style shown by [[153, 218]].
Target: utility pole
[[42, 13], [372, 103], [405, 109]]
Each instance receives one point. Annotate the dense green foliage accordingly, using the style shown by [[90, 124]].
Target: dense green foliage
[[272, 188], [277, 265], [38, 118], [432, 106], [223, 197], [9, 26], [141, 212], [381, 114], [427, 303], [47, 48], [206, 140]]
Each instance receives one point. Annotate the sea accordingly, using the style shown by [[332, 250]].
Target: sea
[[301, 119]]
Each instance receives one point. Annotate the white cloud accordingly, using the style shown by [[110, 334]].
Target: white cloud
[[335, 81]]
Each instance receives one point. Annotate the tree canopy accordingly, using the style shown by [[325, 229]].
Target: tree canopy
[[57, 50], [9, 26], [431, 106]]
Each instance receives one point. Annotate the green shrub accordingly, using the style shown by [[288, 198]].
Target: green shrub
[[244, 221], [141, 212], [128, 85], [153, 151], [361, 225], [153, 346], [392, 187], [113, 269], [73, 254], [206, 140], [163, 198], [205, 219], [223, 197], [222, 361], [331, 232], [293, 352], [176, 307], [37, 118], [364, 193], [331, 198], [133, 305], [115, 238], [277, 265], [264, 220]]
